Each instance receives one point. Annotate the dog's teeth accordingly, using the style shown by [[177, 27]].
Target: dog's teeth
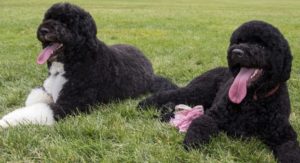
[[254, 74], [59, 46]]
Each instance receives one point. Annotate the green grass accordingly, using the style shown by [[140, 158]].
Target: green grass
[[182, 38]]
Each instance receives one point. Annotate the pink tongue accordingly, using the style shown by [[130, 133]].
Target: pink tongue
[[238, 89], [46, 53]]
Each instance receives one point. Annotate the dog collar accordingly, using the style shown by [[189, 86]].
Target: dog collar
[[270, 93]]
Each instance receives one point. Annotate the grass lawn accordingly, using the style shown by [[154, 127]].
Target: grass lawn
[[182, 38]]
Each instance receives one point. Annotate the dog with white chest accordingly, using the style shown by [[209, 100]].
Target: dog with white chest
[[83, 70]]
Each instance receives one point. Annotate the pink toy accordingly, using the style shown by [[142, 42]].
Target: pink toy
[[184, 115]]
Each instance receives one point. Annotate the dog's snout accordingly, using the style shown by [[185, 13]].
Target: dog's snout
[[44, 31], [238, 52]]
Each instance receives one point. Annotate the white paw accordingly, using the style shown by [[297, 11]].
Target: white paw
[[38, 95], [40, 113], [3, 124]]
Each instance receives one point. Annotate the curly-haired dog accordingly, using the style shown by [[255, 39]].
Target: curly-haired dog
[[82, 69], [250, 98]]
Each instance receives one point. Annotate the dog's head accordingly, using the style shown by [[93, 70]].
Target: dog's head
[[64, 25], [259, 58]]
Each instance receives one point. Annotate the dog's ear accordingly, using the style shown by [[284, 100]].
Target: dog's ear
[[287, 67], [282, 60], [87, 26]]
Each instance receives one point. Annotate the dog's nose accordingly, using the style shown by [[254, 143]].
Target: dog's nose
[[44, 31], [238, 52]]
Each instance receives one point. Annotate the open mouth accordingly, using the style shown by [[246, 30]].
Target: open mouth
[[49, 53], [245, 77], [256, 74]]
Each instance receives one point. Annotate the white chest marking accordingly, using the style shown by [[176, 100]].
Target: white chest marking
[[55, 81]]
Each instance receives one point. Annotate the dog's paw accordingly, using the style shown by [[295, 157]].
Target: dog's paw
[[3, 124], [166, 117], [167, 112], [167, 108], [191, 142], [38, 95], [200, 132], [34, 114], [288, 152]]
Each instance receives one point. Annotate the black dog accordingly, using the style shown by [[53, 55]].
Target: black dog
[[82, 70], [250, 98]]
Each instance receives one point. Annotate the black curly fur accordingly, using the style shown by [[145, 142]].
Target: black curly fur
[[95, 72], [265, 116]]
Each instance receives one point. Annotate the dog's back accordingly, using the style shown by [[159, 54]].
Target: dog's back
[[135, 72]]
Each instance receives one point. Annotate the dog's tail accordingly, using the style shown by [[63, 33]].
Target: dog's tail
[[162, 84]]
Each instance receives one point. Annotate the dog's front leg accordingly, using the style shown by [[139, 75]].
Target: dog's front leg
[[68, 103], [36, 111], [39, 113], [282, 139], [200, 132], [288, 152]]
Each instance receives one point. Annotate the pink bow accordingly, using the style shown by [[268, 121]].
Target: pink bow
[[184, 115]]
